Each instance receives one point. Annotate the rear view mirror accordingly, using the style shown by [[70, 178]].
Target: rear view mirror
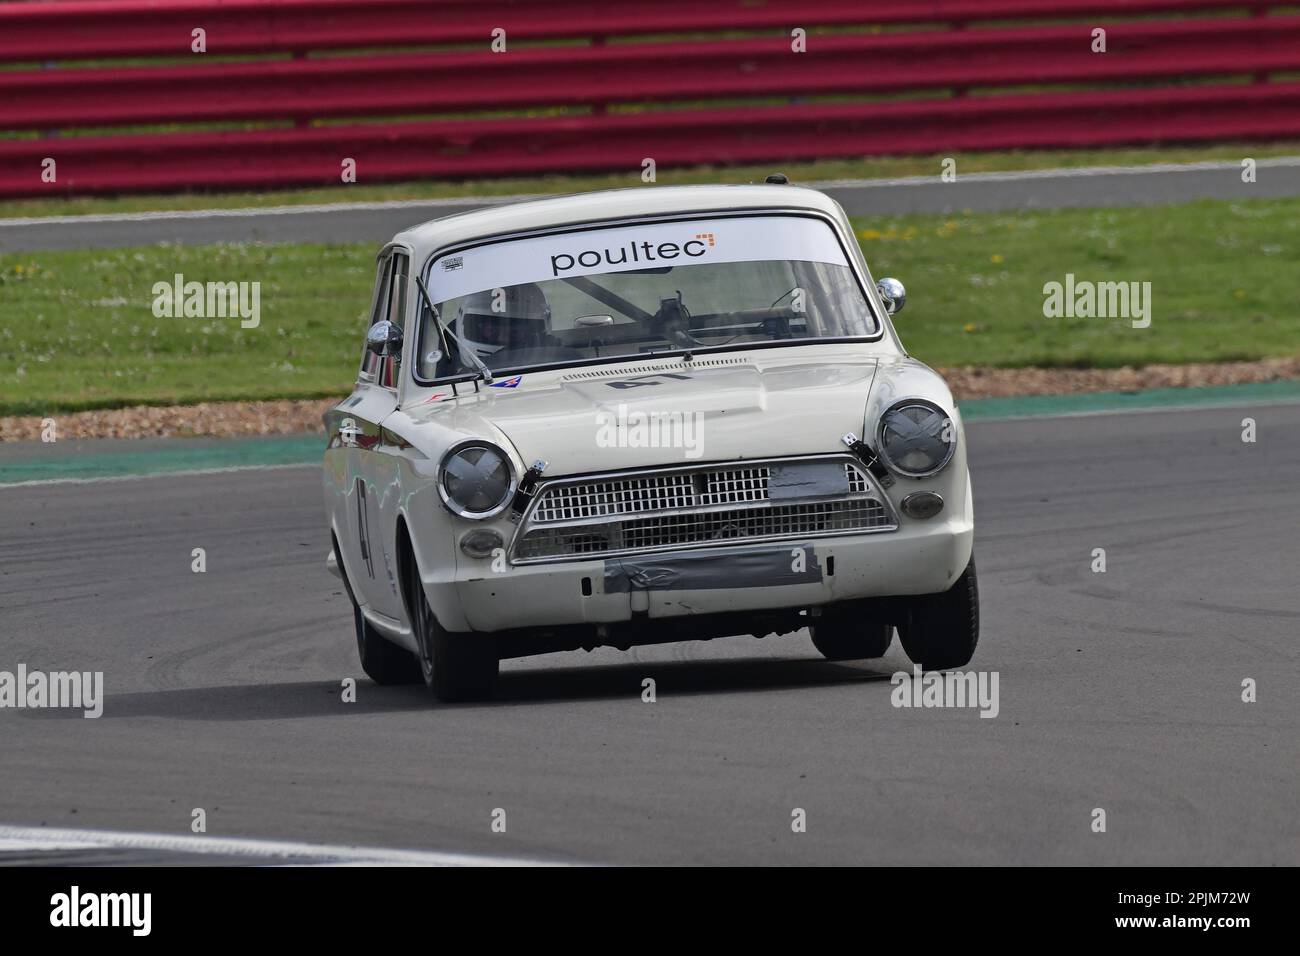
[[895, 296], [384, 338]]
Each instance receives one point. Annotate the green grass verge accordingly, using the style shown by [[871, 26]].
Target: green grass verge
[[866, 168], [77, 329], [1225, 283]]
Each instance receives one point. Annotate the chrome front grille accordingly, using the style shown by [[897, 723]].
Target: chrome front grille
[[620, 496], [688, 508], [735, 485]]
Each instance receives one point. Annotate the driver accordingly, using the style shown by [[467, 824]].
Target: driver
[[521, 319]]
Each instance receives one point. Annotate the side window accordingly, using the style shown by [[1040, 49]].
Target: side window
[[390, 304], [397, 300], [378, 309]]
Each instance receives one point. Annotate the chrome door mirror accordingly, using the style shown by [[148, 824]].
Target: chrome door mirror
[[895, 296], [384, 338]]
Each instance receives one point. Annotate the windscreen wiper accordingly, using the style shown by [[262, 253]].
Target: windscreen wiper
[[463, 347]]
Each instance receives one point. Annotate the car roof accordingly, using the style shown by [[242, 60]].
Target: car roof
[[610, 204]]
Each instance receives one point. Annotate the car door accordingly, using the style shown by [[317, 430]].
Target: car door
[[368, 480]]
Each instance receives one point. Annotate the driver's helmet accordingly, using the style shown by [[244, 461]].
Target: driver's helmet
[[521, 320]]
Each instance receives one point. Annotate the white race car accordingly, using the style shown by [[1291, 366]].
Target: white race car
[[639, 416]]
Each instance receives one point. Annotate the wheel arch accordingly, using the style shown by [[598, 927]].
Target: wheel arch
[[341, 560], [404, 553]]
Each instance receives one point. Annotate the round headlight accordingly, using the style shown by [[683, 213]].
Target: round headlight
[[476, 479], [916, 438]]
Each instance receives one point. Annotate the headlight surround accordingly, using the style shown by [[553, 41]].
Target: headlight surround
[[476, 479], [916, 438]]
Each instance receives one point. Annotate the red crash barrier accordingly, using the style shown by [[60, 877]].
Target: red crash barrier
[[108, 28], [470, 148], [651, 72], [958, 46]]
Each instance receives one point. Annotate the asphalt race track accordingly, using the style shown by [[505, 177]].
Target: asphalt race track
[[1119, 690], [378, 222]]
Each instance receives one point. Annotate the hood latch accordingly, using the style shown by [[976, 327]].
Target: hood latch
[[527, 488], [870, 460]]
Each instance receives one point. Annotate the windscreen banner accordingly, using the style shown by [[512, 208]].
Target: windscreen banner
[[631, 248]]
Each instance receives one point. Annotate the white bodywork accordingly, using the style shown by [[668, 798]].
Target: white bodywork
[[387, 443]]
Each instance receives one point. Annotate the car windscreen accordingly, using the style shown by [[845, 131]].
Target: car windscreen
[[640, 290]]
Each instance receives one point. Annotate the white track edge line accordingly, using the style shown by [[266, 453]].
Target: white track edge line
[[254, 212], [184, 473], [258, 849], [1081, 172]]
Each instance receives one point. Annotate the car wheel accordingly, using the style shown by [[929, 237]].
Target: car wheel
[[455, 666], [382, 660], [844, 633], [941, 630]]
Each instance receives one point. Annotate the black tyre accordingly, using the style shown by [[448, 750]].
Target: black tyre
[[846, 632], [941, 630], [382, 660], [454, 666]]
